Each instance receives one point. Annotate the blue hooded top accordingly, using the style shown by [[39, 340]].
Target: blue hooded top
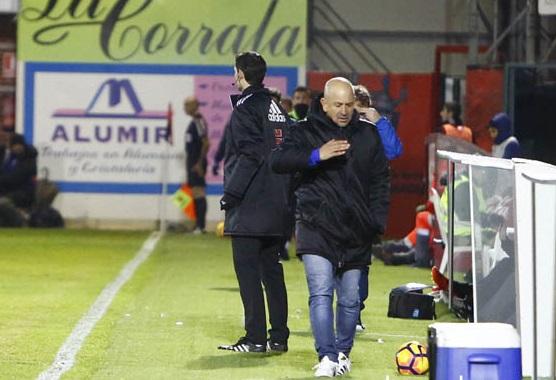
[[503, 124]]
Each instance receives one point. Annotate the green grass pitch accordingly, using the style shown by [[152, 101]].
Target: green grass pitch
[[167, 321]]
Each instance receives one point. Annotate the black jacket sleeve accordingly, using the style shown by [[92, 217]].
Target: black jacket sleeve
[[24, 171], [246, 134], [219, 155], [380, 186], [293, 154]]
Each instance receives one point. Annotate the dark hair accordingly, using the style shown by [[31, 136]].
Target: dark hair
[[455, 109], [253, 66], [302, 89], [17, 139], [275, 93], [362, 95]]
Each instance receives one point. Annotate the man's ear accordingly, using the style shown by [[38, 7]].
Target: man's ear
[[240, 74], [324, 104]]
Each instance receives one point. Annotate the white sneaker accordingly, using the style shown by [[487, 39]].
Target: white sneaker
[[326, 368], [344, 364]]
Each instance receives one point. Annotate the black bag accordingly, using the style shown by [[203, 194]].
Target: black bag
[[46, 217], [408, 301]]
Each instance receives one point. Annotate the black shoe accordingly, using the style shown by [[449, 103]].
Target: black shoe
[[395, 246], [377, 251], [387, 258], [284, 254], [276, 347], [244, 345]]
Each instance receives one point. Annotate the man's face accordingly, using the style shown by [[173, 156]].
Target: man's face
[[445, 115], [360, 107], [301, 97], [339, 105], [190, 106], [493, 132], [238, 76]]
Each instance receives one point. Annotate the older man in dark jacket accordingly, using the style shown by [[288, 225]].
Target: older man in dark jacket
[[342, 203], [256, 204]]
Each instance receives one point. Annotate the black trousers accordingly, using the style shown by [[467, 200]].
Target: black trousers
[[256, 262]]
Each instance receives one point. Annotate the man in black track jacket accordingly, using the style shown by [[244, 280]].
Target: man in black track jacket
[[256, 204], [342, 203]]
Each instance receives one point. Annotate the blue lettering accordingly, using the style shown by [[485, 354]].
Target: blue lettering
[[130, 134], [146, 135], [106, 137], [78, 137], [60, 133], [160, 134], [127, 133]]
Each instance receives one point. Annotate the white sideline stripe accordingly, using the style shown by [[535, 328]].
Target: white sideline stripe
[[391, 335], [65, 358]]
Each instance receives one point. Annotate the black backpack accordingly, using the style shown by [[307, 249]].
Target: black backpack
[[46, 217], [408, 301]]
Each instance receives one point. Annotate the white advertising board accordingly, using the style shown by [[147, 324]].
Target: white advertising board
[[100, 130]]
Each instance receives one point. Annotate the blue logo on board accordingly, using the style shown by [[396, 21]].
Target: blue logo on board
[[115, 99]]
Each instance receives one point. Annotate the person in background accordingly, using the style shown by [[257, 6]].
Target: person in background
[[256, 204], [342, 203], [284, 252], [393, 148], [4, 142], [18, 172], [286, 104], [301, 100], [196, 149], [452, 125], [220, 151], [505, 145]]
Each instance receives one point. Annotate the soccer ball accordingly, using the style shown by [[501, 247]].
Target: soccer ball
[[220, 229], [411, 359]]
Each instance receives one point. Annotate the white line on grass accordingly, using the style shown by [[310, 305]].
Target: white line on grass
[[391, 335], [65, 358]]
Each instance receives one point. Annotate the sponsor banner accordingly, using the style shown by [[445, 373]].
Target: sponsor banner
[[103, 128], [208, 32]]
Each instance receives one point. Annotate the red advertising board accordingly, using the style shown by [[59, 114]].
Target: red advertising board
[[484, 97]]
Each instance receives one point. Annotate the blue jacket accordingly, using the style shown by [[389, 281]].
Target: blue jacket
[[393, 147]]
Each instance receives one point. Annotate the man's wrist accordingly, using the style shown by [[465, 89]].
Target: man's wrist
[[314, 158]]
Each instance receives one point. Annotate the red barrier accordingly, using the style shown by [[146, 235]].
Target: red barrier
[[484, 97], [407, 101], [317, 79]]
